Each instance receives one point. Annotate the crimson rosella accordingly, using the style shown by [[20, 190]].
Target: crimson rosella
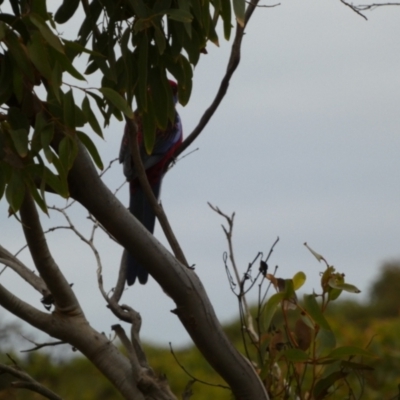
[[155, 163]]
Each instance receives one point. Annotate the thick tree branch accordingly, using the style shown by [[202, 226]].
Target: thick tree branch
[[223, 87], [25, 273], [23, 310], [180, 283], [64, 297]]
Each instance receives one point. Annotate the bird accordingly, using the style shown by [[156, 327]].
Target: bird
[[166, 142]]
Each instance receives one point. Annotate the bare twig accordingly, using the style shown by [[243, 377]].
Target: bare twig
[[27, 382], [354, 8], [241, 295], [223, 87], [193, 377], [365, 7], [41, 345]]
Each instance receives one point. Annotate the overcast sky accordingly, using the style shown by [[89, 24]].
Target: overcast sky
[[305, 147]]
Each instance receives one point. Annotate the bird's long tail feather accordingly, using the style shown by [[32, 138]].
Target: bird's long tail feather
[[141, 208]]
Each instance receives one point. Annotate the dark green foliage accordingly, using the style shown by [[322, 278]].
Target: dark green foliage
[[135, 44]]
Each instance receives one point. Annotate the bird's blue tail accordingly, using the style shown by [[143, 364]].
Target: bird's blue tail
[[141, 208]]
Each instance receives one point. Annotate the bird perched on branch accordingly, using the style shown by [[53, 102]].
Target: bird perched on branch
[[166, 142]]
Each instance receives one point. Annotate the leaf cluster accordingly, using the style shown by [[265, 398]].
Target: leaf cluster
[[293, 343], [135, 45]]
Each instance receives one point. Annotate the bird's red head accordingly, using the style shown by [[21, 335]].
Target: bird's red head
[[174, 87]]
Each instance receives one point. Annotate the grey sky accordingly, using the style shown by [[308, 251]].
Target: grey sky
[[304, 147]]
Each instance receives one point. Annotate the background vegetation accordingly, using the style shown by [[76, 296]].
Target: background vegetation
[[373, 324]]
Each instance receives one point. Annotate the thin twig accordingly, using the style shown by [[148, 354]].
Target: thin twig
[[233, 63], [354, 8], [27, 382], [193, 377], [41, 345], [240, 282]]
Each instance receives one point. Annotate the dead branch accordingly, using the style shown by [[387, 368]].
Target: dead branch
[[27, 382], [193, 378]]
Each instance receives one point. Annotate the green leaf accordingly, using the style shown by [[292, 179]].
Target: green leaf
[[66, 64], [46, 136], [159, 95], [17, 25], [29, 181], [143, 54], [269, 309], [75, 47], [2, 181], [69, 109], [356, 366], [239, 9], [18, 84], [314, 310], [20, 140], [343, 286], [226, 13], [322, 386], [46, 32], [298, 280], [87, 142], [66, 11], [15, 191], [6, 78], [117, 100], [179, 15], [333, 294], [56, 81], [2, 30], [39, 55], [159, 38], [67, 151], [18, 54], [348, 351], [295, 355], [149, 128], [139, 7], [80, 117], [57, 183], [86, 29], [326, 340], [18, 119], [39, 7], [92, 119], [314, 253]]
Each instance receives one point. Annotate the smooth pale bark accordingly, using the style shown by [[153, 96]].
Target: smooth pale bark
[[181, 283]]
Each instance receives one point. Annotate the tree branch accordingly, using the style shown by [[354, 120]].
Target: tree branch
[[64, 297], [364, 7], [15, 264], [181, 284], [27, 382], [23, 310], [223, 87]]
